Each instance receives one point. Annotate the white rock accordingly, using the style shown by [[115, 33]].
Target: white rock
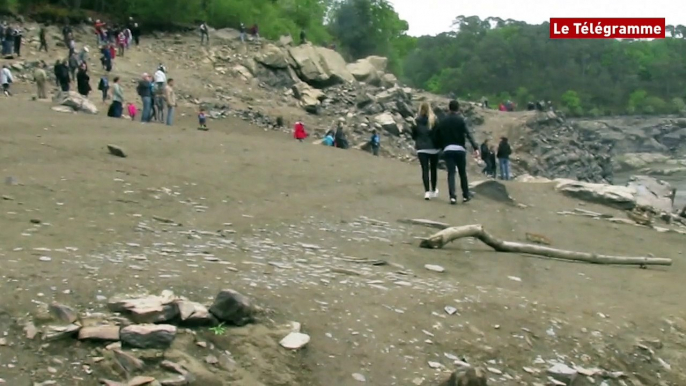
[[359, 377], [450, 310], [562, 372], [435, 268], [295, 340], [435, 365]]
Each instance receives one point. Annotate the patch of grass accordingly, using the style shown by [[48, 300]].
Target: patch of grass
[[218, 330]]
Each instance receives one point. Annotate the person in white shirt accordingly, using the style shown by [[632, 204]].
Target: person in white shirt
[[6, 79], [204, 33], [160, 79]]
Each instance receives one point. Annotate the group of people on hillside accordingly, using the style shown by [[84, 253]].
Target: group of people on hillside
[[10, 39], [334, 138], [156, 93]]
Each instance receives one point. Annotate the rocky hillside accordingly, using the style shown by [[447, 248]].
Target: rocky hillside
[[637, 143], [551, 147], [263, 81]]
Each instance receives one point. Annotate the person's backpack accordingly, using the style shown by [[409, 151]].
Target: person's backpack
[[104, 84]]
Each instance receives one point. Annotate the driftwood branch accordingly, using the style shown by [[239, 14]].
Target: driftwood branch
[[425, 223], [440, 239]]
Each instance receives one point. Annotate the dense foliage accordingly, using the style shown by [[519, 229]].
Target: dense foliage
[[506, 59], [493, 58]]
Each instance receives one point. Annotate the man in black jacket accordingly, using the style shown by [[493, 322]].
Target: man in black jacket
[[504, 152], [451, 136]]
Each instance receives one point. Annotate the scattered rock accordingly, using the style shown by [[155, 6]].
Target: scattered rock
[[295, 340], [435, 268], [562, 373], [104, 333], [652, 193], [148, 335], [359, 377], [76, 101], [194, 313], [63, 313], [231, 307], [51, 333], [148, 309], [468, 377], [116, 150]]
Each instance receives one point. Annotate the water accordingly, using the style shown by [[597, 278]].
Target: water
[[677, 180]]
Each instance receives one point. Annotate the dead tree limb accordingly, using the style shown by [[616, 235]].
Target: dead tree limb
[[425, 223], [440, 239]]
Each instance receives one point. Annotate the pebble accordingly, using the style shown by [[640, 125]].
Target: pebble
[[359, 377], [434, 268]]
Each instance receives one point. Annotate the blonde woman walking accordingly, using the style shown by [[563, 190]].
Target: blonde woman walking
[[427, 151]]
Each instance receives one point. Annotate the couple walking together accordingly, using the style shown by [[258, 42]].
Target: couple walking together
[[447, 135]]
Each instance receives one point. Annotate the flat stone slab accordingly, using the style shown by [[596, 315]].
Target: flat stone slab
[[159, 336]]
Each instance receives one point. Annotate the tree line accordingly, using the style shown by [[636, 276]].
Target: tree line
[[492, 58]]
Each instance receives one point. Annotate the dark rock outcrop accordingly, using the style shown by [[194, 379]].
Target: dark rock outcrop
[[555, 148]]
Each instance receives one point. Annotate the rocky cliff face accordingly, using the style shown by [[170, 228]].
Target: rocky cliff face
[[554, 148], [653, 145], [637, 134]]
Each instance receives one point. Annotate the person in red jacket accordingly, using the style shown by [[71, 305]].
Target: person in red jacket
[[299, 133]]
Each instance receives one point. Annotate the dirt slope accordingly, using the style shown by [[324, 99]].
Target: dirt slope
[[384, 322], [304, 223]]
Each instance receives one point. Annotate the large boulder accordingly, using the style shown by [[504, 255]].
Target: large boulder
[[364, 71], [621, 197], [272, 57], [653, 193], [319, 66], [385, 121], [379, 62], [310, 98], [76, 101], [389, 80]]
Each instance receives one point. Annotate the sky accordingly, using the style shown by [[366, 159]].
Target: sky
[[431, 17]]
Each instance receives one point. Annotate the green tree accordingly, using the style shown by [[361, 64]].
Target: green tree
[[369, 27], [636, 101], [571, 101], [495, 56]]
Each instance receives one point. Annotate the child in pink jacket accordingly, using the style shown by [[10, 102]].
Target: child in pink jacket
[[132, 110]]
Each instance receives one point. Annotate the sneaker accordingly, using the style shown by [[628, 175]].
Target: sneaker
[[453, 201], [434, 194], [427, 196], [466, 199]]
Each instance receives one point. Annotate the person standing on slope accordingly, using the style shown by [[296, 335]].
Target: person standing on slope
[[144, 90], [6, 80], [83, 80], [170, 99], [504, 152], [160, 78], [41, 77], [451, 136], [43, 40], [299, 132], [62, 75], [204, 33], [427, 152]]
